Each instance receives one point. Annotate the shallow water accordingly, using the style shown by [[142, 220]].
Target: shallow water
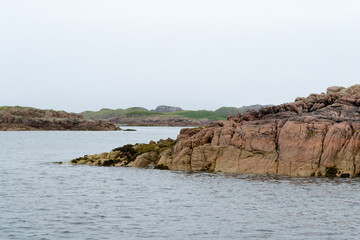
[[43, 200]]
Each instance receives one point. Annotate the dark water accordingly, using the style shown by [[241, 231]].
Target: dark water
[[42, 200]]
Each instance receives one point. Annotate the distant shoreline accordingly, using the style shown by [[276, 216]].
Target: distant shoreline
[[32, 119]]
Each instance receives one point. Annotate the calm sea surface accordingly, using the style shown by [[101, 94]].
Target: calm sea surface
[[43, 200]]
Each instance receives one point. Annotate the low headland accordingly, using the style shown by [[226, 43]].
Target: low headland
[[18, 118], [31, 119], [165, 115], [314, 136]]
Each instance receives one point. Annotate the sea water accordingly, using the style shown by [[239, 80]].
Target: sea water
[[43, 200]]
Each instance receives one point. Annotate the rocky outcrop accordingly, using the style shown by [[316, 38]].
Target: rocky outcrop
[[138, 155], [161, 121], [314, 136], [167, 109], [26, 119]]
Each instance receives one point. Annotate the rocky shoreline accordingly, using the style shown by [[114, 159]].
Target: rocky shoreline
[[314, 136], [32, 119], [138, 155]]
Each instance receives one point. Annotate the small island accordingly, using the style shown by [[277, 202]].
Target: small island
[[32, 119], [314, 136]]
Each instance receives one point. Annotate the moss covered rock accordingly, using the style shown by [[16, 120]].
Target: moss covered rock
[[138, 155]]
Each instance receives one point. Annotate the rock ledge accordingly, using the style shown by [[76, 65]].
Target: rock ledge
[[314, 136]]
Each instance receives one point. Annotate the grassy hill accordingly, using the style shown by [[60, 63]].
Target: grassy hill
[[212, 115], [138, 112], [106, 113], [142, 113], [227, 111], [7, 107]]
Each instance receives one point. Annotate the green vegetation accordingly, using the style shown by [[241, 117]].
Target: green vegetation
[[157, 147], [126, 154], [199, 114], [106, 113], [132, 109], [135, 112], [228, 111], [7, 107]]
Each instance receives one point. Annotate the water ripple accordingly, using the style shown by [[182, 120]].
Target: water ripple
[[42, 200]]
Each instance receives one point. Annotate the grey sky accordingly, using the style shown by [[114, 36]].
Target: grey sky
[[197, 54]]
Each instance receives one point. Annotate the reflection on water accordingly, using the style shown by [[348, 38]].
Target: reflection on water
[[43, 200]]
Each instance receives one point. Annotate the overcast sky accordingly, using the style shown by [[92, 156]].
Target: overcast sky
[[76, 55]]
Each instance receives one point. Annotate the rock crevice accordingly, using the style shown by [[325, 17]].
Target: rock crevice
[[303, 138], [314, 136]]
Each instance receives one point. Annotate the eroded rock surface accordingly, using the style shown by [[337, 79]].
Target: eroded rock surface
[[314, 136], [25, 119]]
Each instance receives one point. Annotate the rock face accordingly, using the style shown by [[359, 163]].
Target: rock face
[[166, 109], [314, 136], [25, 119], [161, 121]]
